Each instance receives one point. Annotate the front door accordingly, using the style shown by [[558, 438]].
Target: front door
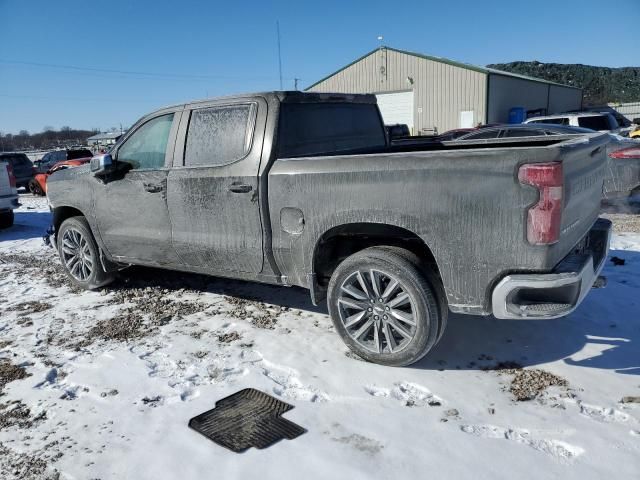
[[131, 210], [213, 189]]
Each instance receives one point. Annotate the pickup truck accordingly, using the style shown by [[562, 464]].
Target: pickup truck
[[8, 194], [305, 189]]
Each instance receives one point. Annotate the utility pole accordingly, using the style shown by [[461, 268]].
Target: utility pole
[[295, 83], [279, 53]]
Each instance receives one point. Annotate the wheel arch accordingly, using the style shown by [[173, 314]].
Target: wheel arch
[[341, 241]]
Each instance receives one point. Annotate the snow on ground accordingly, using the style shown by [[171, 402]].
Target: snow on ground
[[102, 384]]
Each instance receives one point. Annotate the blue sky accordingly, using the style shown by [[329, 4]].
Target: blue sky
[[146, 54]]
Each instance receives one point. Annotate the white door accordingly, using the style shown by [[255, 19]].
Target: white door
[[396, 108]]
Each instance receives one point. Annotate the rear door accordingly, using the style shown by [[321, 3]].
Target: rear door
[[131, 209], [213, 187]]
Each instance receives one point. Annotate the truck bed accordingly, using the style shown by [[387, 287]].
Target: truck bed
[[454, 197]]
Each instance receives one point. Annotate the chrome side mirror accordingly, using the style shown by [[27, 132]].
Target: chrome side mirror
[[101, 164]]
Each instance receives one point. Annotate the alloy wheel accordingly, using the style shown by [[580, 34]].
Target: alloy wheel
[[77, 255]]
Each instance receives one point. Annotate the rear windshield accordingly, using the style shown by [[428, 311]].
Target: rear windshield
[[15, 159], [315, 128], [595, 123], [73, 154]]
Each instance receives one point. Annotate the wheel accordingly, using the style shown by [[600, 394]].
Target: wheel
[[80, 255], [6, 219], [384, 306], [35, 189]]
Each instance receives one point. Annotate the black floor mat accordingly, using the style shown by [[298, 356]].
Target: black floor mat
[[248, 418]]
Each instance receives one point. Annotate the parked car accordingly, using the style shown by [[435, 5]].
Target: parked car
[[8, 194], [51, 158], [22, 167], [601, 122], [293, 188], [38, 184], [623, 173]]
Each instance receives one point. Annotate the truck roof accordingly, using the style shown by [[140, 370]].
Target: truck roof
[[284, 96]]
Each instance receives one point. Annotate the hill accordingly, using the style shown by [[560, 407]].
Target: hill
[[601, 85]]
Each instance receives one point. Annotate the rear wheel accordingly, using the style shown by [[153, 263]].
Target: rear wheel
[[80, 255], [384, 307], [6, 219], [34, 188]]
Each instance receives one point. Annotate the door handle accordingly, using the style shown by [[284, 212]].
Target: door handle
[[154, 187], [240, 188]]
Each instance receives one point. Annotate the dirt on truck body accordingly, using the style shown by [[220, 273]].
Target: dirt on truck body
[[305, 189]]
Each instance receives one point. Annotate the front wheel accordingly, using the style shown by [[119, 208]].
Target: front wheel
[[35, 189], [385, 307], [80, 255]]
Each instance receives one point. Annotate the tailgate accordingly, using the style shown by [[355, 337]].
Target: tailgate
[[584, 163]]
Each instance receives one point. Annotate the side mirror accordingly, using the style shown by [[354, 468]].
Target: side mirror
[[102, 164]]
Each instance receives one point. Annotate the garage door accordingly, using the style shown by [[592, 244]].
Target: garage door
[[396, 107]]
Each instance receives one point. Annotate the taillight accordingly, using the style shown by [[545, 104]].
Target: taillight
[[545, 217], [629, 152], [12, 177]]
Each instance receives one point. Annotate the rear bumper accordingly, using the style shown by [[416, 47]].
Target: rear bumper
[[555, 294]]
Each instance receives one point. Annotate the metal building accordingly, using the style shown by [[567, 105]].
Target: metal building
[[433, 94]]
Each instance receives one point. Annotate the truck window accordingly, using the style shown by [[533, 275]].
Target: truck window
[[314, 128], [219, 135], [600, 122], [147, 146], [523, 132]]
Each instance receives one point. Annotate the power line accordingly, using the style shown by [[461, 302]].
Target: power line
[[133, 72]]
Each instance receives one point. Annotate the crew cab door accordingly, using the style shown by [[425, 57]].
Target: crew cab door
[[213, 187], [131, 209]]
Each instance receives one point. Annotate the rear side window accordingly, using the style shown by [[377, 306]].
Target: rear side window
[[595, 123], [147, 146], [316, 128], [219, 135]]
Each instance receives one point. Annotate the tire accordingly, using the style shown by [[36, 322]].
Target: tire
[[80, 255], [6, 219], [35, 189], [405, 325]]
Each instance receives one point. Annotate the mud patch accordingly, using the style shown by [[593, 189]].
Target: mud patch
[[143, 311], [18, 414], [10, 372], [46, 268], [361, 443], [260, 315], [27, 308], [530, 383], [229, 337], [22, 466]]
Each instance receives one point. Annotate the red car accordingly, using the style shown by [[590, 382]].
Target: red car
[[38, 185]]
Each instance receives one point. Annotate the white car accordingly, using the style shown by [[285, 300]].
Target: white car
[[8, 195], [602, 122]]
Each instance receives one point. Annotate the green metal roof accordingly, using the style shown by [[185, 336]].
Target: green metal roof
[[467, 66]]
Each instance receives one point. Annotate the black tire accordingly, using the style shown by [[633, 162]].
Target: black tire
[[79, 228], [425, 308], [34, 188], [434, 281], [6, 219]]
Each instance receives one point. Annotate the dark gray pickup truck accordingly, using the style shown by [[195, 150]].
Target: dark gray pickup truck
[[304, 189]]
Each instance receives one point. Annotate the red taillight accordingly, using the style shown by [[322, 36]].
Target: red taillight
[[629, 152], [545, 217], [12, 177]]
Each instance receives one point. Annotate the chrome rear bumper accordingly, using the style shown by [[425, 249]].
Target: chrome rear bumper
[[555, 294]]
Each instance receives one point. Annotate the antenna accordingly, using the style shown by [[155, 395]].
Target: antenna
[[279, 53], [295, 83]]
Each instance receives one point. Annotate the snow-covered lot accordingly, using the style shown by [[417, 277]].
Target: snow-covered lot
[[102, 384]]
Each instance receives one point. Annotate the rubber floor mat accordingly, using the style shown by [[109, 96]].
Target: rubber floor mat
[[248, 418]]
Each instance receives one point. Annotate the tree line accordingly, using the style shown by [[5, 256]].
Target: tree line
[[600, 85], [48, 139]]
